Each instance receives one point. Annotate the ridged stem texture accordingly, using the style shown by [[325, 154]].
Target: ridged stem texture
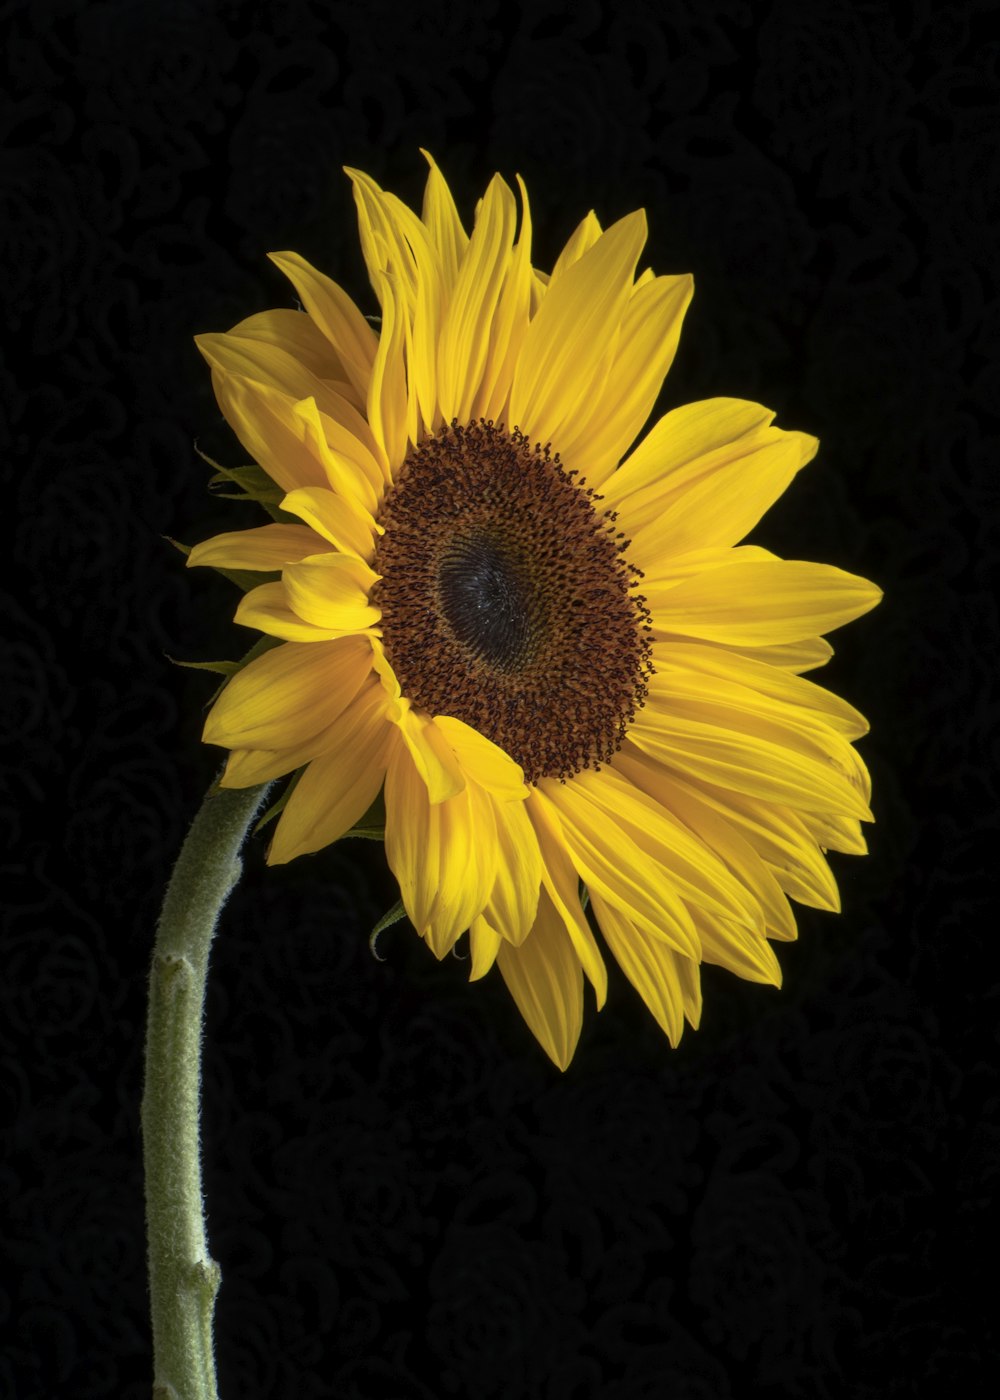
[[183, 1278]]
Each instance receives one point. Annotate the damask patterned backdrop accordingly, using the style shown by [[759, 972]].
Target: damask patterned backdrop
[[406, 1198]]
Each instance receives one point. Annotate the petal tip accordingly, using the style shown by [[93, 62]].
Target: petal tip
[[809, 446]]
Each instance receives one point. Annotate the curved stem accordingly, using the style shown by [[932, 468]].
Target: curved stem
[[183, 1278]]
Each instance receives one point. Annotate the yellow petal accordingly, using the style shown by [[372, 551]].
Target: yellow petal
[[513, 901], [539, 286], [682, 446], [265, 422], [559, 879], [393, 239], [386, 674], [247, 767], [337, 317], [287, 694], [580, 241], [273, 383], [685, 694], [468, 324], [567, 339], [347, 448], [425, 314], [609, 861], [263, 362], [468, 863], [544, 978], [331, 591], [760, 603], [267, 609], [836, 833], [806, 655], [411, 837], [335, 518], [396, 243], [675, 568], [443, 224], [778, 835], [422, 345], [722, 507], [689, 977], [510, 325], [485, 762], [776, 769], [442, 854], [484, 944], [387, 390], [683, 861], [719, 836], [297, 333], [738, 949], [765, 680], [340, 784], [648, 963], [344, 453], [432, 756], [266, 547], [602, 431]]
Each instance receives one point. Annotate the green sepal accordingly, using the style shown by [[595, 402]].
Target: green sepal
[[393, 916], [243, 578], [221, 668], [228, 669], [370, 827], [247, 578], [253, 484]]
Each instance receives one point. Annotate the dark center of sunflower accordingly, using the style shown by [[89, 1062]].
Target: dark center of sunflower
[[507, 601], [487, 599]]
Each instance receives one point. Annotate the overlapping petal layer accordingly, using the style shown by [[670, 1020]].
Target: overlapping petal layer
[[735, 775]]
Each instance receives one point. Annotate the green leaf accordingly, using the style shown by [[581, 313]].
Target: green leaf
[[394, 915]]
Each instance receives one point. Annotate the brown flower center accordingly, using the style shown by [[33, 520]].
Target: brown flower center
[[507, 601]]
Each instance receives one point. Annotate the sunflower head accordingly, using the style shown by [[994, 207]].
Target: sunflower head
[[538, 645], [507, 601]]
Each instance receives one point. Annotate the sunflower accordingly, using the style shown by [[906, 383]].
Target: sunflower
[[542, 648]]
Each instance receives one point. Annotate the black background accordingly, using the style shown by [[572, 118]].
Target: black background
[[406, 1198]]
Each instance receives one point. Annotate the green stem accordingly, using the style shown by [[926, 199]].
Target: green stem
[[183, 1278]]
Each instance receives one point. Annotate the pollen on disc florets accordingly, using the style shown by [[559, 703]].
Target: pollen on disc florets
[[507, 601]]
